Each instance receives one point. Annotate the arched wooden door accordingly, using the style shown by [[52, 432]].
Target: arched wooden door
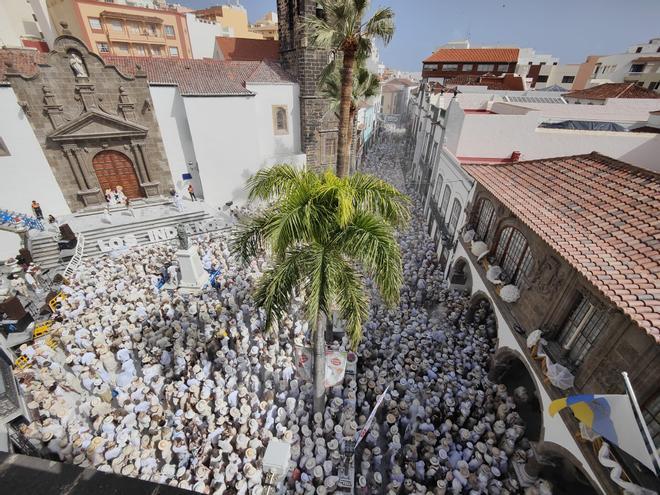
[[116, 169]]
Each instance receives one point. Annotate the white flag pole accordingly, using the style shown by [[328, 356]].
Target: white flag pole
[[640, 416]]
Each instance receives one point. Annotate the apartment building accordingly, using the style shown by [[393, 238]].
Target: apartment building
[[124, 30], [637, 64], [447, 63], [467, 151], [25, 24], [267, 26], [232, 17]]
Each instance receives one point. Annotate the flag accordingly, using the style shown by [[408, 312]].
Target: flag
[[612, 417], [335, 367], [362, 433]]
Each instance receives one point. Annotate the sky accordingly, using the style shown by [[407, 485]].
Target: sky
[[568, 29]]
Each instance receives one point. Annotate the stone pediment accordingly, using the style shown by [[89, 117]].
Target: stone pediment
[[97, 125]]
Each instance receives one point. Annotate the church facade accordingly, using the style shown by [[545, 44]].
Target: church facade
[[95, 125]]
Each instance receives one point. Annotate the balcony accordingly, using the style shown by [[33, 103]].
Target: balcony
[[127, 37]]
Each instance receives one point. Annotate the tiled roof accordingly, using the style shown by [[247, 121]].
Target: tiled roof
[[206, 77], [248, 49], [613, 90], [601, 215], [23, 61], [403, 81], [474, 55]]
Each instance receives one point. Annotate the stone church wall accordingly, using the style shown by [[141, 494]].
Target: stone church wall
[[77, 112]]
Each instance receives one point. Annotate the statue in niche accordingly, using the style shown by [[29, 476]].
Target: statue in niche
[[182, 235], [76, 63]]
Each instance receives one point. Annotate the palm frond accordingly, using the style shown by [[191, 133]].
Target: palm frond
[[380, 25], [371, 242], [275, 288], [249, 238], [272, 182], [316, 287], [350, 297], [376, 195]]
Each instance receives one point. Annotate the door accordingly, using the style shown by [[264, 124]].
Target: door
[[116, 169]]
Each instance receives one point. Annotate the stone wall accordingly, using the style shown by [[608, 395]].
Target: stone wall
[[76, 112], [305, 64]]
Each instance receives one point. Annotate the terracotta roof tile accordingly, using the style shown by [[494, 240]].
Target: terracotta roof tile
[[22, 60], [505, 55], [613, 90], [247, 49], [601, 215], [206, 77]]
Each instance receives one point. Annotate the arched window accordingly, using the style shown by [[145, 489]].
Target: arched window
[[280, 120], [513, 255], [485, 220], [438, 187], [453, 218], [445, 202]]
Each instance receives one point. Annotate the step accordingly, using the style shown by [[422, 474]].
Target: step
[[46, 253]]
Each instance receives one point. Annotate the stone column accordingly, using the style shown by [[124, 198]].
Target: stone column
[[89, 195], [67, 149], [151, 188]]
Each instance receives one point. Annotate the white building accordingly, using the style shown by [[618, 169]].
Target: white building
[[202, 35], [24, 23], [615, 68], [222, 121], [506, 126]]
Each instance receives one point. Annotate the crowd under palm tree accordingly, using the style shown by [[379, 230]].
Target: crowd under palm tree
[[324, 234]]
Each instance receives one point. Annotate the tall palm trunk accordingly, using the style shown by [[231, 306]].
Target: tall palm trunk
[[319, 365], [344, 142]]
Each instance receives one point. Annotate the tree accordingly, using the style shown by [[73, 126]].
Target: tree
[[365, 85], [342, 30], [325, 234]]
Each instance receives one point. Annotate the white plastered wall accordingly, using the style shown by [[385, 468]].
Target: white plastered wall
[[26, 172]]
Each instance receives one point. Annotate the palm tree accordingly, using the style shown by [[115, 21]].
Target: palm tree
[[342, 30], [365, 85], [325, 234]]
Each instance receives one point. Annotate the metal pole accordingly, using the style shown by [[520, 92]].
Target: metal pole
[[645, 429]]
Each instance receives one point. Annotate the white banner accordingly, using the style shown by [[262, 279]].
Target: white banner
[[304, 362], [362, 433], [335, 367]]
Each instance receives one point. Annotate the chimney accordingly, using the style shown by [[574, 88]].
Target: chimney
[[515, 156]]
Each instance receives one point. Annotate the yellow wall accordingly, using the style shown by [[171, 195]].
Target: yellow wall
[[233, 18], [127, 42]]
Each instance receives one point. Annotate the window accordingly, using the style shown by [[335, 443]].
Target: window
[[152, 30], [281, 120], [637, 67], [651, 413], [434, 153], [95, 23], [140, 50], [467, 67], [134, 28], [116, 25], [513, 255], [567, 79], [430, 66], [4, 151], [174, 51], [485, 67], [102, 47], [453, 218], [485, 220], [156, 51], [121, 48], [449, 66], [582, 328], [169, 31], [438, 187], [654, 85], [445, 202], [503, 67], [639, 49], [329, 149], [542, 79]]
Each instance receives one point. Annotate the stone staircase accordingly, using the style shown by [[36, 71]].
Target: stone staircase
[[98, 235]]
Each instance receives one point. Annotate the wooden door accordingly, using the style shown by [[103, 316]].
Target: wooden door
[[116, 169]]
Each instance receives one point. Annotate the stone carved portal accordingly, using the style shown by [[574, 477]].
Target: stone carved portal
[[114, 169]]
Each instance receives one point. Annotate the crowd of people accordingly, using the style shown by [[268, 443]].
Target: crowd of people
[[188, 390]]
